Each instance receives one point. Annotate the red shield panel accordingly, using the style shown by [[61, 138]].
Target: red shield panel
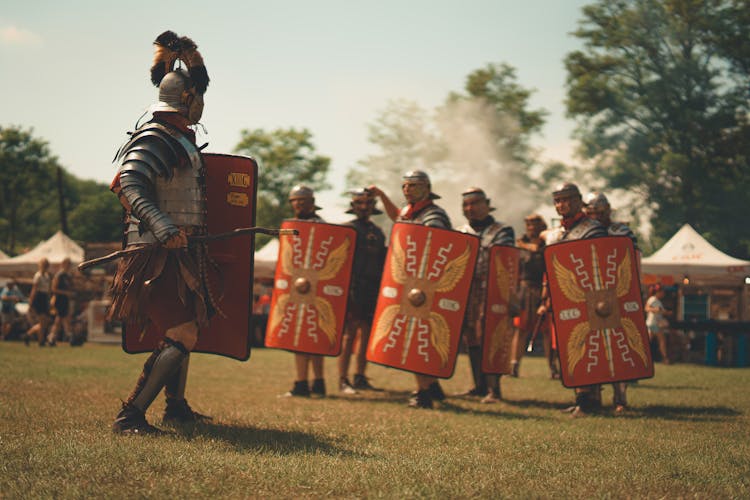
[[598, 311], [231, 183], [502, 289], [311, 288], [422, 299]]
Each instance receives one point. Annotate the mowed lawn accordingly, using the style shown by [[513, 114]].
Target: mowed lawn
[[687, 434]]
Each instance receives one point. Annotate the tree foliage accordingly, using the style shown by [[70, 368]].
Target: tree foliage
[[29, 196], [285, 157], [478, 137], [661, 91]]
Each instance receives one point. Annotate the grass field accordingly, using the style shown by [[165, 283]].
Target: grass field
[[687, 434]]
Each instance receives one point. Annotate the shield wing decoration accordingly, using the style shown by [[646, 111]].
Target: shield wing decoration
[[598, 311], [422, 299], [502, 299], [311, 288], [231, 184]]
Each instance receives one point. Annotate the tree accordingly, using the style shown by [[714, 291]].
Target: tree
[[477, 138], [27, 176], [661, 93], [285, 157]]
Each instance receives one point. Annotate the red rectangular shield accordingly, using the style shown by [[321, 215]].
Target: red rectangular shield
[[231, 185], [502, 289], [598, 311], [311, 288], [422, 299]]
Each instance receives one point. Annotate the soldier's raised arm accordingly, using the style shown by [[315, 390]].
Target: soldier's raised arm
[[390, 208]]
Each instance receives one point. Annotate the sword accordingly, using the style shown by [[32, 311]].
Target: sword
[[242, 231], [535, 331]]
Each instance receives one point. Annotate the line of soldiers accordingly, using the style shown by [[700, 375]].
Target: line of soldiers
[[580, 220], [166, 278]]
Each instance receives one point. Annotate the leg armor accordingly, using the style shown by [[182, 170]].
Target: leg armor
[[163, 364]]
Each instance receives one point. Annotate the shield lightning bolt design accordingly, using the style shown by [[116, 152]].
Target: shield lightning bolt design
[[302, 310], [605, 329], [414, 322]]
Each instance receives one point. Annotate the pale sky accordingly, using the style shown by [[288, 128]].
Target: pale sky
[[78, 72]]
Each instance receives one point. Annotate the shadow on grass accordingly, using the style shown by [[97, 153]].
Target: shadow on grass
[[638, 387], [686, 413], [497, 410], [272, 440]]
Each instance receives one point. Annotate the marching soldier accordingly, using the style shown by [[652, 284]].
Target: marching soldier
[[574, 226], [476, 208], [302, 200], [161, 185], [367, 269], [420, 208], [597, 207], [532, 275]]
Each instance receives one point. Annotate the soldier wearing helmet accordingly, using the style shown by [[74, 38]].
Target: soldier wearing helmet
[[161, 185], [367, 269], [420, 208], [302, 200], [574, 226], [476, 207], [597, 207]]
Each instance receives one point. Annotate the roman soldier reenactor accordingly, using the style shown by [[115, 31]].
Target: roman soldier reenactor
[[369, 257], [597, 207], [574, 226], [161, 184], [420, 208], [476, 208], [532, 275]]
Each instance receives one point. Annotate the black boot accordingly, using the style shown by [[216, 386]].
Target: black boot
[[300, 389], [436, 392], [318, 388], [421, 399], [361, 382], [131, 420], [178, 411]]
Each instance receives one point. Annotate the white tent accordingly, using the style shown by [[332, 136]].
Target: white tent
[[265, 260], [54, 249], [687, 253]]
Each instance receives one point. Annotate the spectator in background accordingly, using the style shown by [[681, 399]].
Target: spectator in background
[[62, 289], [9, 296], [656, 321], [39, 304]]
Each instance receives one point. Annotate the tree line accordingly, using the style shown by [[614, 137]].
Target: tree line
[[659, 91]]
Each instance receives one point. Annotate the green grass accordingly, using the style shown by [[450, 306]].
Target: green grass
[[687, 434]]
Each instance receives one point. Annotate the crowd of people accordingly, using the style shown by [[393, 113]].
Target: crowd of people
[[48, 319]]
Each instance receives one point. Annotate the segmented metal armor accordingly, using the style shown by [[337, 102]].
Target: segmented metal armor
[[494, 233], [162, 178], [430, 216], [582, 229]]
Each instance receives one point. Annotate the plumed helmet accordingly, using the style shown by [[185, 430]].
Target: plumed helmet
[[566, 189], [175, 82], [420, 176], [479, 192], [596, 202]]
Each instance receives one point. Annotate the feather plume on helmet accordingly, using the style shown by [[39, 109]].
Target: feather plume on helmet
[[169, 49]]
